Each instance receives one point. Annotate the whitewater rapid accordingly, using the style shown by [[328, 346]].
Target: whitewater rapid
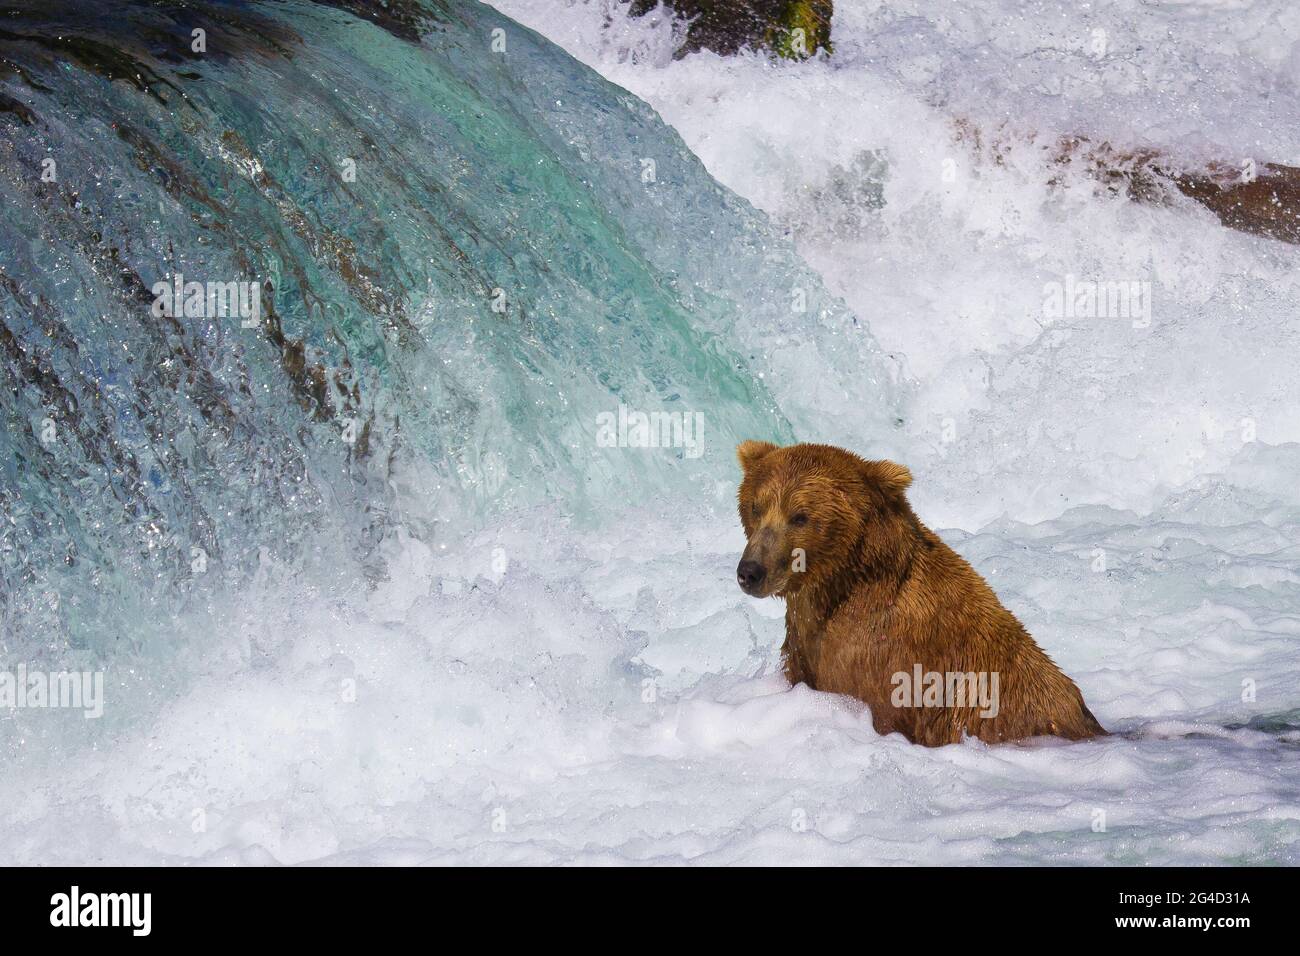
[[553, 687]]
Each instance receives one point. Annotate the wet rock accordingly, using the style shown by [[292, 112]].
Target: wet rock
[[793, 29], [1261, 198]]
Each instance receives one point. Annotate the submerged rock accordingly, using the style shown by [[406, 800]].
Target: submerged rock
[[793, 29], [1258, 197]]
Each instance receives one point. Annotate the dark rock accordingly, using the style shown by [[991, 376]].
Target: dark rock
[[1267, 204], [1261, 198], [727, 26]]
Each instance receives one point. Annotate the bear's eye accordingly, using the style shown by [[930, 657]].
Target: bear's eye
[[799, 519], [753, 510]]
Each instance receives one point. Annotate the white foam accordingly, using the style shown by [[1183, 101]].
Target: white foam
[[1016, 413], [612, 697]]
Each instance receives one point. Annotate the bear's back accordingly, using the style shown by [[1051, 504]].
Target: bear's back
[[945, 620]]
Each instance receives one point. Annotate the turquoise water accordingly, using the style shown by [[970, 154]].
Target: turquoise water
[[466, 254]]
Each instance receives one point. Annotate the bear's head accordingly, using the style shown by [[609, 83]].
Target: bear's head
[[814, 512]]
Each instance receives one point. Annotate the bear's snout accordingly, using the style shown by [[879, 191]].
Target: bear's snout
[[759, 572], [750, 575]]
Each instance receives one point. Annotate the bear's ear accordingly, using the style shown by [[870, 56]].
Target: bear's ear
[[890, 475], [748, 452]]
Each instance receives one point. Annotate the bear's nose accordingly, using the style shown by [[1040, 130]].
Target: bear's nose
[[750, 574]]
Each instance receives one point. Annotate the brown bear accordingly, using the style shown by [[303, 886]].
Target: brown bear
[[878, 607]]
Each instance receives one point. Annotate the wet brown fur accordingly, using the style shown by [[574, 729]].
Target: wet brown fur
[[881, 593]]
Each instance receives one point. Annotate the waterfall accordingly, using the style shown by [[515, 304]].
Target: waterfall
[[282, 279]]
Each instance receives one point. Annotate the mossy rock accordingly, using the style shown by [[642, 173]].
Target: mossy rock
[[793, 29]]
